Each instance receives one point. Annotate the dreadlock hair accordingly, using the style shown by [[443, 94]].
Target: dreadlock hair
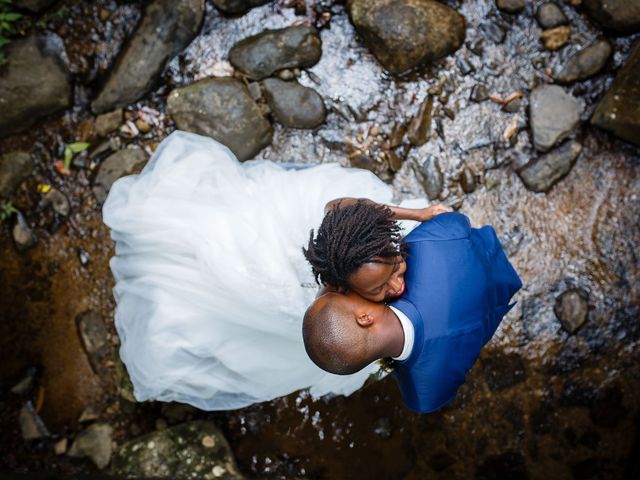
[[349, 237]]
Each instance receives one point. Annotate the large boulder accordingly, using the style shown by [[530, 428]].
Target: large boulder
[[403, 34], [542, 173], [121, 163], [14, 168], [33, 5], [33, 82], [222, 108], [190, 450], [263, 54], [294, 105], [586, 63], [553, 114], [621, 16], [619, 110], [238, 6], [166, 28]]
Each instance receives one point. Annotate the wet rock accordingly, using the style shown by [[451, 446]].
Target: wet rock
[[166, 28], [468, 180], [403, 34], [544, 172], [618, 110], [58, 201], [33, 5], [223, 109], [121, 163], [14, 168], [108, 122], [479, 93], [553, 115], [503, 370], [33, 82], [261, 55], [294, 105], [395, 162], [23, 237], [94, 337], [511, 465], [238, 6], [430, 176], [123, 381], [572, 308], [493, 32], [549, 15], [621, 16], [586, 63], [25, 384], [511, 6], [191, 450], [95, 443], [397, 134], [420, 126], [607, 409], [555, 38], [31, 425]]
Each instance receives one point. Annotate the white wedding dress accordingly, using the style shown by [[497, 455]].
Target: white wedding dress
[[211, 283]]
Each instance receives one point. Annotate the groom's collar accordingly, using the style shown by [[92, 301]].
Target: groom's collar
[[409, 334]]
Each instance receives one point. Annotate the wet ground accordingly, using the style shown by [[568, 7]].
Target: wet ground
[[540, 402]]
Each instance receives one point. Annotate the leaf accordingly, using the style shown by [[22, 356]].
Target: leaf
[[78, 147], [12, 16], [68, 155], [4, 41]]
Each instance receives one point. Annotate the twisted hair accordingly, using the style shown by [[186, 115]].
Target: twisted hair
[[349, 237]]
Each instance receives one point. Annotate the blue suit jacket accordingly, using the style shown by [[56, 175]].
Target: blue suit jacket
[[459, 285]]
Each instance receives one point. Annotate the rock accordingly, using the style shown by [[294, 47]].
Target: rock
[[468, 180], [33, 5], [511, 6], [503, 370], [572, 308], [24, 386], [108, 122], [14, 168], [586, 63], [60, 447], [123, 381], [479, 93], [190, 450], [95, 443], [553, 115], [166, 28], [420, 126], [542, 173], [261, 55], [621, 16], [94, 336], [397, 134], [33, 82], [223, 109], [23, 237], [549, 15], [618, 110], [403, 34], [294, 105], [430, 176], [395, 162], [58, 201], [555, 38], [121, 163], [31, 425], [238, 6]]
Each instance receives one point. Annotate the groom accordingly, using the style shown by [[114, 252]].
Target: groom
[[459, 285]]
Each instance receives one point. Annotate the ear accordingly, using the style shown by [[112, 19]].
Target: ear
[[364, 319]]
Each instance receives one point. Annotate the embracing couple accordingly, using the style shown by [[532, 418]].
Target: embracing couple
[[217, 306]]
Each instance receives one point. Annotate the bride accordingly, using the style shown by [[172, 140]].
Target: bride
[[211, 281]]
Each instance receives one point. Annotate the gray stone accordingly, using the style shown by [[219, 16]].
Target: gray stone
[[14, 168], [586, 63], [31, 425], [549, 15], [222, 108], [95, 443], [123, 381], [572, 308], [294, 105], [108, 122], [420, 126], [166, 28], [618, 111], [33, 82], [238, 6], [553, 115], [430, 176], [190, 450], [33, 5], [511, 6], [542, 173], [621, 16], [261, 55], [479, 93], [403, 34], [22, 235], [121, 163], [58, 201], [94, 337]]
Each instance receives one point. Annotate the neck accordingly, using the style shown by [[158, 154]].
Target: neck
[[393, 334]]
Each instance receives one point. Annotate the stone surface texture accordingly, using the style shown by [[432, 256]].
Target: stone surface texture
[[14, 168], [119, 164], [549, 15], [544, 172], [166, 28], [553, 115], [585, 63], [404, 34], [511, 6], [621, 16], [572, 308], [95, 443], [238, 6], [294, 105], [33, 82], [261, 55], [94, 336], [223, 109]]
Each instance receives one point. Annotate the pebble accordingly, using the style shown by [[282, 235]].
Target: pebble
[[553, 115], [294, 105], [585, 63], [95, 443], [511, 6], [571, 308], [468, 180], [31, 425], [395, 163], [542, 173], [88, 415], [60, 447], [430, 176], [549, 15], [208, 441], [58, 201], [23, 237], [420, 126], [479, 93], [465, 66], [108, 122], [397, 134], [555, 38]]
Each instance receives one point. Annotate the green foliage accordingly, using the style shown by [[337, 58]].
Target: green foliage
[[6, 210], [71, 149], [7, 27]]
